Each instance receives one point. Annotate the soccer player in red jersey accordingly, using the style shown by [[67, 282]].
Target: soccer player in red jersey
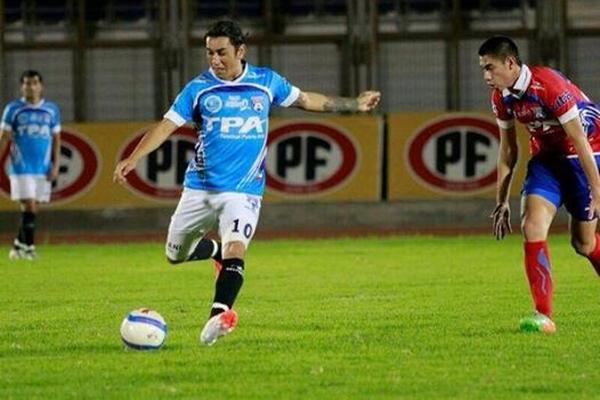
[[564, 129]]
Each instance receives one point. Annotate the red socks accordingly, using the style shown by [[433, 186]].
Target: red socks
[[594, 256], [537, 267]]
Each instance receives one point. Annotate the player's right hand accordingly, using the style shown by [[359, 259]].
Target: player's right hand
[[122, 169], [368, 100], [501, 220]]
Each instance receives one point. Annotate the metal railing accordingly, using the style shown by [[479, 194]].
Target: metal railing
[[168, 34]]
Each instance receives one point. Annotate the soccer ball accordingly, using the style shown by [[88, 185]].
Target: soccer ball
[[143, 329]]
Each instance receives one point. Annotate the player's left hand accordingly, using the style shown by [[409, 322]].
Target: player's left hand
[[368, 100], [594, 208], [53, 173], [501, 220], [123, 168]]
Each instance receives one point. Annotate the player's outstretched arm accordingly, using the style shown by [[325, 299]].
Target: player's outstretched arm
[[507, 159], [364, 102], [150, 142]]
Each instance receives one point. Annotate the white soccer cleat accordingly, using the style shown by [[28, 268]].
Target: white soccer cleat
[[217, 326], [30, 253], [14, 254], [20, 251]]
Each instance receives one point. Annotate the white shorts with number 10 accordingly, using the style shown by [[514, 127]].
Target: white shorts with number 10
[[234, 214]]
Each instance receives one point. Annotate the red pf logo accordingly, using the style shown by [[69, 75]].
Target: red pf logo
[[160, 175], [308, 158], [455, 154], [78, 167]]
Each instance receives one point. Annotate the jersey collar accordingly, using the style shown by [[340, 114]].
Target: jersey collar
[[36, 105], [236, 80], [521, 85]]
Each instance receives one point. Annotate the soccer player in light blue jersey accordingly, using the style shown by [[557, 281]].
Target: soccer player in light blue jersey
[[31, 125], [223, 186]]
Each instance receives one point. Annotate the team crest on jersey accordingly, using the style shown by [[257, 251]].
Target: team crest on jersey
[[257, 104], [23, 119], [213, 104]]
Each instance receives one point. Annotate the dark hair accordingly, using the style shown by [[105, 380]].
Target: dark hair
[[30, 73], [229, 29], [500, 47]]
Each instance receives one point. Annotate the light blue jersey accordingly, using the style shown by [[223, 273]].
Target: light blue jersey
[[32, 128], [232, 122]]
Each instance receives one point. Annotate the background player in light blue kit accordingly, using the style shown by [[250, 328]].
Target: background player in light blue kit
[[32, 126], [229, 105]]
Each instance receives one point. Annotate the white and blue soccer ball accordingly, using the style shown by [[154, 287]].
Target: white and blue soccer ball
[[143, 329]]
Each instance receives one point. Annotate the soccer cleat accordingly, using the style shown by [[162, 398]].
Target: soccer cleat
[[217, 326], [537, 322], [30, 253], [19, 251], [14, 254]]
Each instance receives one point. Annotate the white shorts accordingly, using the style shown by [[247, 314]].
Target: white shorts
[[234, 214], [25, 187]]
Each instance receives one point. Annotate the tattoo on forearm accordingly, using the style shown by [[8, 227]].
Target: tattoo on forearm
[[336, 104]]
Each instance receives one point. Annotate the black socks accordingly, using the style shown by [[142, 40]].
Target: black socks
[[228, 285], [231, 276], [206, 248], [27, 228]]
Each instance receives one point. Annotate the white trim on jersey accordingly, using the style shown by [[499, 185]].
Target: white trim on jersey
[[596, 153], [48, 156], [57, 129], [36, 105], [294, 93], [29, 106], [571, 113], [256, 165], [238, 79], [18, 110], [5, 127], [174, 117], [505, 124], [521, 84]]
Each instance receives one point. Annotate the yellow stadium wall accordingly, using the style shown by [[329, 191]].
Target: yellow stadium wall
[[444, 155], [334, 159], [430, 155]]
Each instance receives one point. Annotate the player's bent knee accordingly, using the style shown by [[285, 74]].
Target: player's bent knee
[[234, 249], [581, 247], [533, 231]]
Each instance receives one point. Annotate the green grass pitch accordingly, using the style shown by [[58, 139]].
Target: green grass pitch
[[373, 318]]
